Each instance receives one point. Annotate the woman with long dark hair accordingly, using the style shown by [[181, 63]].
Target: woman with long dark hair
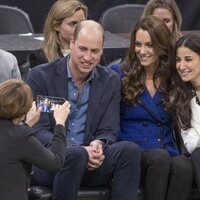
[[185, 102], [145, 120]]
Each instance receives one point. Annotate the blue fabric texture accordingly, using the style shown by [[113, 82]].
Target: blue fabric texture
[[78, 98], [147, 123]]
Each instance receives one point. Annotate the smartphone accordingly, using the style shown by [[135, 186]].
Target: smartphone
[[48, 103]]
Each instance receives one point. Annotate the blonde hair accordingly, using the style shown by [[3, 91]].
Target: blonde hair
[[15, 99], [58, 12], [174, 10]]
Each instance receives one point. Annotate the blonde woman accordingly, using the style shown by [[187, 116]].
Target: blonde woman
[[168, 11], [59, 26]]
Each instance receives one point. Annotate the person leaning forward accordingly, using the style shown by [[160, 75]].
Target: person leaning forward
[[92, 156]]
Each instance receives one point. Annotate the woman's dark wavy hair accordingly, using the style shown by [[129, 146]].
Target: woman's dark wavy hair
[[181, 91], [133, 82]]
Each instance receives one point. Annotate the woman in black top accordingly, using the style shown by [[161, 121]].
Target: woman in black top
[[19, 149]]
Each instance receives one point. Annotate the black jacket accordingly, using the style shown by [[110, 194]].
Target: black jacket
[[18, 150]]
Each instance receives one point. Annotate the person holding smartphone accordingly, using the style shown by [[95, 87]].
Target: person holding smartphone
[[19, 149]]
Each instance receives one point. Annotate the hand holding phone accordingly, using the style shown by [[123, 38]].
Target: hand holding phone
[[61, 113], [33, 115]]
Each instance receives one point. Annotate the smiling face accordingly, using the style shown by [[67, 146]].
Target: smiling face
[[86, 52], [165, 15], [144, 49], [188, 65], [66, 28]]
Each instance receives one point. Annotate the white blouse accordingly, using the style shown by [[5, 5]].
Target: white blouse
[[65, 52], [191, 137]]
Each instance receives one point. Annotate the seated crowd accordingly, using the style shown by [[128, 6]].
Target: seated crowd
[[133, 126]]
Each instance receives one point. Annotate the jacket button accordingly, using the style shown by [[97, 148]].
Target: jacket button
[[145, 124], [158, 139], [158, 124]]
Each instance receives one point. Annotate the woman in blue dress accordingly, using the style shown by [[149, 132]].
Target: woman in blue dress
[[145, 75]]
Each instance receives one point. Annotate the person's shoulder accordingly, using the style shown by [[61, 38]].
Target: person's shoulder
[[107, 74], [8, 65], [37, 57], [116, 67], [50, 66], [23, 132], [105, 71], [49, 70], [36, 54], [15, 130], [4, 55]]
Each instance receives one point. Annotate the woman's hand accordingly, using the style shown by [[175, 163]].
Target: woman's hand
[[61, 113], [33, 115]]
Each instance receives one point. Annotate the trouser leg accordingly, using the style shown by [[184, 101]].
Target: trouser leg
[[122, 166], [155, 166], [68, 180], [195, 157], [126, 172], [42, 177], [180, 179]]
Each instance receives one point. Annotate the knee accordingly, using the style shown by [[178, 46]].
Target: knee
[[76, 156], [41, 177], [161, 157], [128, 150], [127, 146], [182, 166]]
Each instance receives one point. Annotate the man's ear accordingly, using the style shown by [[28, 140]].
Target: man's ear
[[101, 51]]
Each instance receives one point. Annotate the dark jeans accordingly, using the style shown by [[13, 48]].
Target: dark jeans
[[195, 156], [165, 177], [121, 167]]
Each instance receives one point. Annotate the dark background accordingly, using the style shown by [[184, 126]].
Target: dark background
[[38, 9]]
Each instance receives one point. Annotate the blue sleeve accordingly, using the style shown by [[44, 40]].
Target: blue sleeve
[[116, 68]]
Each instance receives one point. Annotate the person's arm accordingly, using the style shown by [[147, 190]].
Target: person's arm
[[44, 128], [34, 152], [191, 139], [15, 71], [49, 159], [108, 127]]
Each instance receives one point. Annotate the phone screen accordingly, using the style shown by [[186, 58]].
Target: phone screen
[[48, 103]]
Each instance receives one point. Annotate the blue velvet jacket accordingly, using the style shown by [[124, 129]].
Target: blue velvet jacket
[[147, 123]]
